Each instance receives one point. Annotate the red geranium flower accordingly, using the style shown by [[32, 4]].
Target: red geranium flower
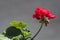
[[41, 13]]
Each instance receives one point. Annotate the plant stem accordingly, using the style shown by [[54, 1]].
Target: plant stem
[[37, 31]]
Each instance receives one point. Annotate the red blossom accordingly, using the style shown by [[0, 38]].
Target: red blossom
[[50, 15], [40, 13]]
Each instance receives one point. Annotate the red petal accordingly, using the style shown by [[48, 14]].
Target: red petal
[[51, 16]]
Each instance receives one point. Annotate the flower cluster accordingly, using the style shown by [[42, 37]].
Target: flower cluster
[[43, 14], [40, 13]]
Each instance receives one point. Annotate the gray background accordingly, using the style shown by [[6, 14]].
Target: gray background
[[22, 10]]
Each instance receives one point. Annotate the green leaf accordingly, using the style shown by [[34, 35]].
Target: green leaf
[[12, 32], [18, 24], [2, 37], [26, 33]]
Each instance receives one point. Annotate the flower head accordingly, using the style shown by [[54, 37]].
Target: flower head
[[43, 15]]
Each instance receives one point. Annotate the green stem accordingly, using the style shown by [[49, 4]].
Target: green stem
[[37, 32]]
